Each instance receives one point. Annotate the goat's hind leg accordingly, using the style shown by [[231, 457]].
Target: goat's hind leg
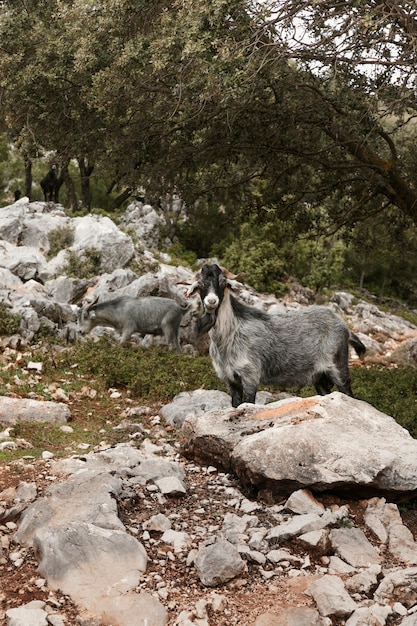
[[323, 384], [341, 379]]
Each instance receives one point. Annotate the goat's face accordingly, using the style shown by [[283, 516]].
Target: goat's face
[[211, 283]]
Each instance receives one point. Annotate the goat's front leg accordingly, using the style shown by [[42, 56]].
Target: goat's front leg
[[236, 392]]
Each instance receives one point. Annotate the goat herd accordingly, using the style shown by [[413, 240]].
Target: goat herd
[[248, 347]]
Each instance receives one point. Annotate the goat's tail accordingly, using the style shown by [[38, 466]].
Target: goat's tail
[[357, 344]]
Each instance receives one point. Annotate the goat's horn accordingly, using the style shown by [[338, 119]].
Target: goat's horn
[[231, 276], [189, 292], [88, 305]]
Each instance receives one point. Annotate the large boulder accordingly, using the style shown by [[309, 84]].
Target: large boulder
[[94, 231], [325, 443]]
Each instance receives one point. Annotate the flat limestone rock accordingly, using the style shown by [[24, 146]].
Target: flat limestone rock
[[13, 410], [321, 443]]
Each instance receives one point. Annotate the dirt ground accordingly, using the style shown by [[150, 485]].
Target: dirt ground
[[176, 585]]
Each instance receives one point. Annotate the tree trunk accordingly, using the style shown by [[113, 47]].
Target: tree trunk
[[362, 279], [69, 183], [117, 202], [85, 172], [28, 176]]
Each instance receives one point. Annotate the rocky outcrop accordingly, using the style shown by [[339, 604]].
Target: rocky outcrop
[[330, 443]]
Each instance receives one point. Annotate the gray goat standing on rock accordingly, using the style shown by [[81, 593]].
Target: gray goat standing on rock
[[249, 347], [150, 315]]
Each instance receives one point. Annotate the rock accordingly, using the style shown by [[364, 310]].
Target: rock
[[385, 521], [351, 545], [302, 616], [295, 526], [171, 486], [13, 410], [23, 261], [303, 501], [315, 437], [119, 557], [195, 402], [31, 614], [399, 585], [411, 620], [158, 523], [134, 610], [94, 231], [363, 582], [375, 614], [331, 597], [218, 563], [179, 540]]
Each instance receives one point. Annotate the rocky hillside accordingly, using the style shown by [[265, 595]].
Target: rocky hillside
[[289, 512]]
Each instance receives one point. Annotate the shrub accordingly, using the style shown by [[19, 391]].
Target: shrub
[[83, 265], [59, 239], [9, 322]]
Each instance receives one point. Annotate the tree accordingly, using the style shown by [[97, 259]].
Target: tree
[[224, 99], [44, 84]]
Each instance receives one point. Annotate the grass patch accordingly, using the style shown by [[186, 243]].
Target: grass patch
[[390, 390], [152, 374]]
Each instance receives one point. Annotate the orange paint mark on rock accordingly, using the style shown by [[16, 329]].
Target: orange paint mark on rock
[[297, 406]]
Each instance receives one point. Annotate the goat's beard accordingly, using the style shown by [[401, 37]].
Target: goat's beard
[[206, 322]]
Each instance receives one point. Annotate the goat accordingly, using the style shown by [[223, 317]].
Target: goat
[[127, 315], [249, 347], [49, 184]]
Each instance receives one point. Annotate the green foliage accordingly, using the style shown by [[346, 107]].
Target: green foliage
[[273, 251], [180, 255], [154, 374], [9, 322], [60, 238], [85, 264], [382, 256], [391, 390], [11, 170]]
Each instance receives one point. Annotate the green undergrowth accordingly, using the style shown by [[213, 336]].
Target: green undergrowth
[[153, 374]]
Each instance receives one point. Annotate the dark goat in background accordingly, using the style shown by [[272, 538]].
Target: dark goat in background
[[50, 185], [249, 347]]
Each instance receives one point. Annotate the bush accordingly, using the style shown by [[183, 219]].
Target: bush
[[272, 252], [83, 265], [9, 322], [59, 239]]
